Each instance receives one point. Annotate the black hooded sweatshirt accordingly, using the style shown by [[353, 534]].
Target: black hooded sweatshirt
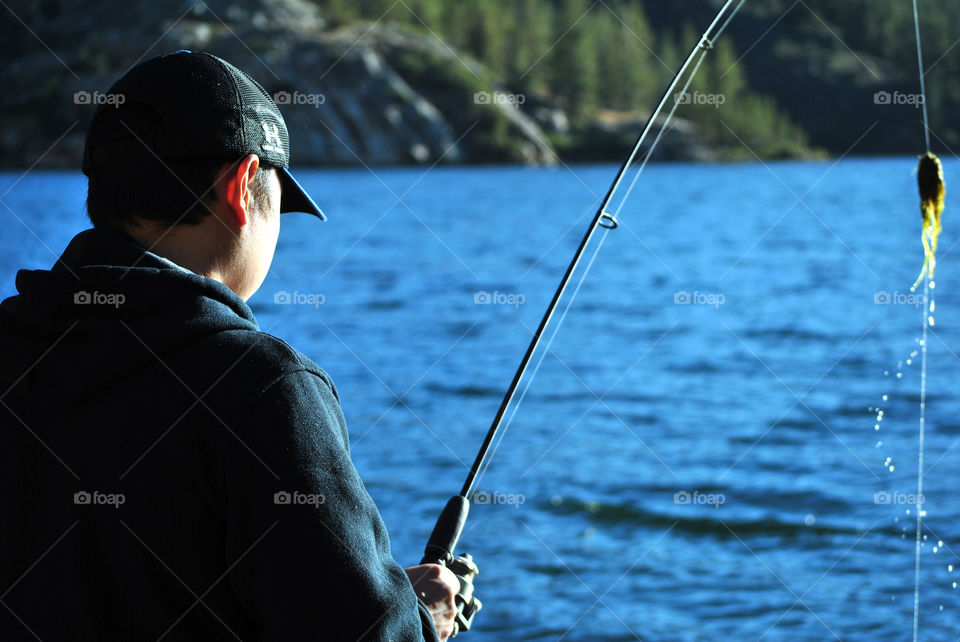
[[169, 471]]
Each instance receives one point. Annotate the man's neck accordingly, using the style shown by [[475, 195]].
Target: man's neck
[[186, 248]]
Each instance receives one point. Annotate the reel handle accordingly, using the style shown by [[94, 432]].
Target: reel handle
[[465, 569]]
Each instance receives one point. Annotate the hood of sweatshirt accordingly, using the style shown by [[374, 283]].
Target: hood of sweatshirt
[[105, 309]]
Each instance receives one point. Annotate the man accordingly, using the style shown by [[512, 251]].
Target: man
[[168, 470]]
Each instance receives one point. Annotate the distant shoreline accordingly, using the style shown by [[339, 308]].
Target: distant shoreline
[[4, 169]]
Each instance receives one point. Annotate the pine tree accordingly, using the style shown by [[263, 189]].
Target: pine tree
[[530, 36], [424, 12], [572, 61], [626, 78]]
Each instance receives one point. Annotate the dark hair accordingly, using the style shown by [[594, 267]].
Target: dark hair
[[170, 193]]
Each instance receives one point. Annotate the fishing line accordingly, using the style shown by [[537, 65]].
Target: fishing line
[[441, 545], [927, 320], [706, 44], [726, 22], [699, 52], [543, 354], [536, 368], [931, 206], [663, 130], [923, 89]]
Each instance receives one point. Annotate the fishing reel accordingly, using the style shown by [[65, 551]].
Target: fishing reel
[[465, 569]]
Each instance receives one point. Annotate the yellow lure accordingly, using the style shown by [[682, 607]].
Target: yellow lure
[[932, 192]]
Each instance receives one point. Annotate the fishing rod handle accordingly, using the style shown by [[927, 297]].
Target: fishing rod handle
[[440, 550], [446, 533]]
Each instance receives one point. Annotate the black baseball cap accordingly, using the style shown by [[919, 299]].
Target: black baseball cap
[[192, 105]]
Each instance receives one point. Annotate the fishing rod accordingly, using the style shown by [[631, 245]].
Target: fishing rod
[[446, 533]]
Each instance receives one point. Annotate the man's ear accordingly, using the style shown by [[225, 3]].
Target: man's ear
[[234, 184]]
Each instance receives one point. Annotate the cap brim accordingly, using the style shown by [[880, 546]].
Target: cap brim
[[294, 198]]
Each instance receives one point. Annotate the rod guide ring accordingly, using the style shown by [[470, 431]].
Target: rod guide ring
[[609, 221]]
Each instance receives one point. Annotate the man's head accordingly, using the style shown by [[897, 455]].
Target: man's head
[[195, 149]]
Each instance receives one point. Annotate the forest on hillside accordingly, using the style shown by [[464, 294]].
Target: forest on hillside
[[793, 73], [788, 79]]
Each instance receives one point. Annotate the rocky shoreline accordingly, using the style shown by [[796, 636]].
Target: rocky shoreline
[[365, 94]]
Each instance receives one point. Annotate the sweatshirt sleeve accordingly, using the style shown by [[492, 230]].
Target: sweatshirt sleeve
[[309, 552]]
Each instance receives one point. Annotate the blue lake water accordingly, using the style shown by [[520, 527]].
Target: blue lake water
[[678, 471]]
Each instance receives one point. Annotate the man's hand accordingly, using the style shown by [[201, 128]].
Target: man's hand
[[437, 586]]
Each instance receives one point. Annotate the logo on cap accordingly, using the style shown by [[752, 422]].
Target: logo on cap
[[273, 142]]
